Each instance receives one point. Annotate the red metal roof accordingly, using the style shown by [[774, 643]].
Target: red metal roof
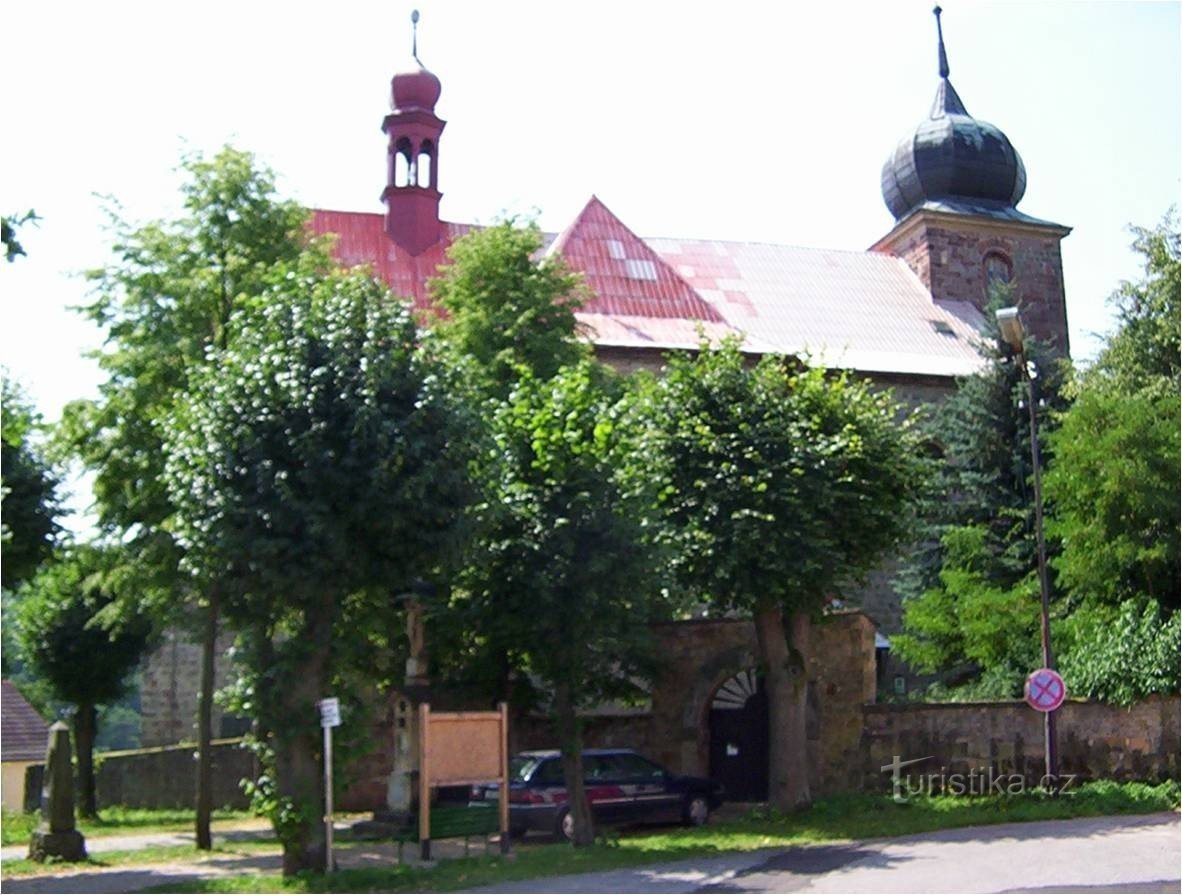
[[858, 310], [626, 276], [24, 735]]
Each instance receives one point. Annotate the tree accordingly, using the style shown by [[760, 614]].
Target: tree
[[9, 225], [561, 568], [70, 638], [970, 587], [28, 490], [170, 297], [1114, 489], [505, 311], [319, 464], [780, 485]]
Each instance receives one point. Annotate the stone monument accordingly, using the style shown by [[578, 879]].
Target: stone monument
[[56, 835]]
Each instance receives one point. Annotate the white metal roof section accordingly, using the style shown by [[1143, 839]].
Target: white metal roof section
[[858, 310]]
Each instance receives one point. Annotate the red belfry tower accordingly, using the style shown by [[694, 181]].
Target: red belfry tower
[[412, 176]]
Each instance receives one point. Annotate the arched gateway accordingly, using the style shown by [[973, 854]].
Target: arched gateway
[[738, 730]]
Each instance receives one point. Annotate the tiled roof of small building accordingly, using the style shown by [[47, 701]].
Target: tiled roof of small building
[[24, 735], [864, 311]]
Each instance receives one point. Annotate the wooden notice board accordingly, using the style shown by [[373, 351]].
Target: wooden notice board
[[460, 749]]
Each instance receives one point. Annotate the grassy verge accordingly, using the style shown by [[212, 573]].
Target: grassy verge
[[831, 819], [16, 827]]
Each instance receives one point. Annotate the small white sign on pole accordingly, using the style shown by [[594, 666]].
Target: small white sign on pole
[[330, 717], [330, 712]]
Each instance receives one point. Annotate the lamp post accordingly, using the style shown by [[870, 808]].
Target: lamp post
[[1013, 333]]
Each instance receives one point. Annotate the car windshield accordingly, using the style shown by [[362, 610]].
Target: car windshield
[[521, 766]]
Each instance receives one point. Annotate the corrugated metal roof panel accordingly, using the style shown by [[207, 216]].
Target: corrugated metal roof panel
[[862, 310]]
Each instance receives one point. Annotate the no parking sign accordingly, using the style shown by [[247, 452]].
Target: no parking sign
[[1045, 690]]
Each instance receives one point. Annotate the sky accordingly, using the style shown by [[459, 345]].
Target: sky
[[752, 121]]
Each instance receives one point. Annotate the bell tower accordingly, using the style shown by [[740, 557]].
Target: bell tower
[[412, 155], [953, 186]]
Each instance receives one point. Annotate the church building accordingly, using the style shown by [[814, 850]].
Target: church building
[[904, 313]]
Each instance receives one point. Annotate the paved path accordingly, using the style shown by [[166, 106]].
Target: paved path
[[223, 831], [1111, 854], [1106, 854]]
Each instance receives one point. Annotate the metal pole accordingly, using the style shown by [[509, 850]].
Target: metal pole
[[328, 798], [1050, 735]]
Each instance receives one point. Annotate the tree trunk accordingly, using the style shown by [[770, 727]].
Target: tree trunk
[[204, 795], [786, 664], [570, 740], [85, 729], [298, 774]]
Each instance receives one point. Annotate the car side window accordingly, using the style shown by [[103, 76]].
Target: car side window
[[635, 768], [598, 767], [549, 773]]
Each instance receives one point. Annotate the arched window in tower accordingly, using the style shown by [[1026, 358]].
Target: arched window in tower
[[402, 163], [424, 166], [998, 270]]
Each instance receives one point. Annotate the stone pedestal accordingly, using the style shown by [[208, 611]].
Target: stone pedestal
[[66, 846]]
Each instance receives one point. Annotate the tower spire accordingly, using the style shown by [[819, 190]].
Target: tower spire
[[940, 38], [414, 36]]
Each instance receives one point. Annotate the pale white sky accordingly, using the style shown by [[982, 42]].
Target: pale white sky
[[752, 121]]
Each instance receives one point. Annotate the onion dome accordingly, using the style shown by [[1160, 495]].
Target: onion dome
[[414, 88], [952, 156]]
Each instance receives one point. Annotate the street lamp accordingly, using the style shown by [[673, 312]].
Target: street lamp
[[1013, 333]]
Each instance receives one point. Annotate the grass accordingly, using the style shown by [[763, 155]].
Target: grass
[[165, 854], [16, 827], [831, 819]]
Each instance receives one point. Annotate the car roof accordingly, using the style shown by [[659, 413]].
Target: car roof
[[554, 753]]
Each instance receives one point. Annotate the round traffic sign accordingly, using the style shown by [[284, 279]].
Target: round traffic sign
[[1045, 690]]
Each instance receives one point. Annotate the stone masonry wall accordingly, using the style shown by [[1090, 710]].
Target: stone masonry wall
[[167, 777], [949, 258], [1095, 740], [702, 655], [168, 697]]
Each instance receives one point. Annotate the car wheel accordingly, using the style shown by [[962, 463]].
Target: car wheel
[[564, 828], [697, 810]]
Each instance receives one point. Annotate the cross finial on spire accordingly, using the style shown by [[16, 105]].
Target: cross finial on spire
[[414, 35], [940, 37]]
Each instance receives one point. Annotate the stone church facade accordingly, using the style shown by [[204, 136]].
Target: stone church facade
[[903, 313]]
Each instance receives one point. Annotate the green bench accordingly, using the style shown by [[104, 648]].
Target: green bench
[[452, 822]]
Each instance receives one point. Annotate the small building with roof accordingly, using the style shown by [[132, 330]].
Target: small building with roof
[[24, 738]]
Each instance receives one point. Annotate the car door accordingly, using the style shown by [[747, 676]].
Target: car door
[[646, 788]]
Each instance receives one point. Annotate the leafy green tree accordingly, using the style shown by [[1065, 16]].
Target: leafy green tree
[[970, 589], [28, 489], [169, 297], [318, 462], [561, 568], [1114, 483], [9, 225], [507, 311], [1114, 489], [72, 640], [780, 484]]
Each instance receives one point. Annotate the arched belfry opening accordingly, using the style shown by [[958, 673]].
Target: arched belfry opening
[[738, 729]]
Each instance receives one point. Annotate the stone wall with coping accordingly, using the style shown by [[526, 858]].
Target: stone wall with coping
[[1096, 740], [699, 656]]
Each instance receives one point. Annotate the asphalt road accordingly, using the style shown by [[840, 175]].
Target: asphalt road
[[1106, 854]]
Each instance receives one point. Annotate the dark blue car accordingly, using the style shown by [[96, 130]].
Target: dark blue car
[[623, 787]]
